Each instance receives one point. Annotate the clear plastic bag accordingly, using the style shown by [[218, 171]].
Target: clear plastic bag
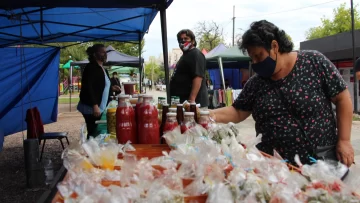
[[220, 193]]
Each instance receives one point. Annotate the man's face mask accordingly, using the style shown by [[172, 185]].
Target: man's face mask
[[184, 45]]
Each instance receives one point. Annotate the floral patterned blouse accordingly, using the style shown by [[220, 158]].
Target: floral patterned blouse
[[307, 89]]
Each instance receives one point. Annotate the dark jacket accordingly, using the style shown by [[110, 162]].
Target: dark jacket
[[92, 84], [114, 81]]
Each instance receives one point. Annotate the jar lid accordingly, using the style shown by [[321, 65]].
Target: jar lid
[[189, 114], [192, 103], [179, 105], [165, 104], [171, 114], [204, 112], [111, 110], [124, 96], [172, 109], [135, 96], [129, 83], [147, 96]]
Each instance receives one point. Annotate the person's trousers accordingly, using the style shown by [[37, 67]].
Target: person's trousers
[[90, 124]]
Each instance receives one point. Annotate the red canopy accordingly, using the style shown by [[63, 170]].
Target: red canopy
[[204, 51]]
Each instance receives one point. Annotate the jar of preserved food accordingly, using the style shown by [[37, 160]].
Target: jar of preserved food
[[111, 121]]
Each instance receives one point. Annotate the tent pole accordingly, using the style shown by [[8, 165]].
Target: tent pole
[[41, 25], [70, 86], [356, 94], [140, 63], [165, 48], [222, 76]]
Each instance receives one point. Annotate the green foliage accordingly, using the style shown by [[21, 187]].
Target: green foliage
[[131, 49], [341, 22], [208, 42], [209, 35], [154, 70]]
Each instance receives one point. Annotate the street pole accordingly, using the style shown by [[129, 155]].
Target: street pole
[[356, 94], [233, 37]]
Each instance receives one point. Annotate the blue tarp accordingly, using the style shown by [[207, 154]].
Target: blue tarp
[[233, 75], [73, 24], [81, 3], [28, 82]]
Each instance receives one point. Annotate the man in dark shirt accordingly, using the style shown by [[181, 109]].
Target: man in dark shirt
[[188, 80], [115, 84]]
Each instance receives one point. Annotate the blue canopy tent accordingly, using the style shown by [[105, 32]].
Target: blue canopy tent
[[42, 22]]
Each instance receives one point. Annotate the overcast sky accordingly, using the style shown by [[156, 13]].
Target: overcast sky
[[293, 16]]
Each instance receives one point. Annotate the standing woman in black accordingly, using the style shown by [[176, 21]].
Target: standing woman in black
[[95, 88]]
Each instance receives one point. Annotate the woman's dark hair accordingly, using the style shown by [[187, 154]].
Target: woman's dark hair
[[262, 33], [92, 50], [188, 33]]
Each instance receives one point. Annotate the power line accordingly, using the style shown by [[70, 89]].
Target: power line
[[285, 11]]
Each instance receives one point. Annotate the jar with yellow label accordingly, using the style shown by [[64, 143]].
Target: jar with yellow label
[[111, 121]]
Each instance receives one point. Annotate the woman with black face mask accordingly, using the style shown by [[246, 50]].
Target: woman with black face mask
[[95, 87], [290, 99]]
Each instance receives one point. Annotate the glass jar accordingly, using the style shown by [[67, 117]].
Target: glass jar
[[125, 121], [111, 121], [171, 122], [179, 113], [149, 126], [161, 101], [189, 122], [193, 109], [204, 119]]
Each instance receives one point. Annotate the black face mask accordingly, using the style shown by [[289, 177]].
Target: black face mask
[[265, 68]]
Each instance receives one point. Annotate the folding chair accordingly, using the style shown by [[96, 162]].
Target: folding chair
[[36, 130]]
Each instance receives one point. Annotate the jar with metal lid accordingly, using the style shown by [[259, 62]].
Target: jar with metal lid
[[161, 101], [111, 121]]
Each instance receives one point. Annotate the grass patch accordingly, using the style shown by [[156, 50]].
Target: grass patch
[[356, 118], [67, 100]]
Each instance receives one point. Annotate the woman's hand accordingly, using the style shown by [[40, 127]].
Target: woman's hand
[[96, 111], [212, 116], [345, 152]]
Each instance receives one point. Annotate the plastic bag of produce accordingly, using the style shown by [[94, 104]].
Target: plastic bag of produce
[[220, 193]]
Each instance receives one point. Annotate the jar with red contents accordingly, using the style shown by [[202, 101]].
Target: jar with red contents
[[204, 119], [137, 111], [171, 122], [149, 129], [125, 121], [189, 122]]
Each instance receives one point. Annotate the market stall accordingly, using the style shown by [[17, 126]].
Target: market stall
[[200, 161], [224, 68]]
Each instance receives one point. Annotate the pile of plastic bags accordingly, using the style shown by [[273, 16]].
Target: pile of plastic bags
[[201, 163]]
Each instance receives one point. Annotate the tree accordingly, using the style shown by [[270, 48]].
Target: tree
[[209, 35], [341, 22], [125, 47], [154, 70]]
